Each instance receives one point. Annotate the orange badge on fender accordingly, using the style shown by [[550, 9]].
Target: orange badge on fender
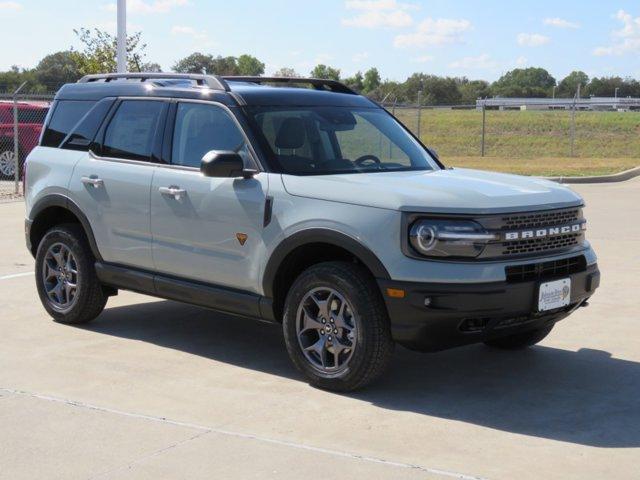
[[242, 238]]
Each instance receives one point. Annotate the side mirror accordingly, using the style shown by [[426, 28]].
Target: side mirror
[[223, 164]]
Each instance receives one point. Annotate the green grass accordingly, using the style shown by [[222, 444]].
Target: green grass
[[532, 142]]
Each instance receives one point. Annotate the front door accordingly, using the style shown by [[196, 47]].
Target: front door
[[207, 229]]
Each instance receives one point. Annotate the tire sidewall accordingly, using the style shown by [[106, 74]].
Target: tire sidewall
[[69, 238], [307, 281]]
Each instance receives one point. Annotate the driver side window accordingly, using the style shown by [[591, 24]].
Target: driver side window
[[200, 128]]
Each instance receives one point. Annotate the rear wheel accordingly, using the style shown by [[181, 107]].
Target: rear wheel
[[336, 327], [520, 340], [65, 276]]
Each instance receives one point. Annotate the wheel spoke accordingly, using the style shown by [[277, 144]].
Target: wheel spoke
[[334, 345]]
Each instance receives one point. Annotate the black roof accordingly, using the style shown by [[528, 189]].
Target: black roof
[[230, 91]]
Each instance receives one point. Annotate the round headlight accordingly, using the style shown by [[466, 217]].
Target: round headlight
[[426, 237]]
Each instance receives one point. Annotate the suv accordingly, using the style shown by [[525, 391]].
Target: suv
[[30, 120], [295, 201]]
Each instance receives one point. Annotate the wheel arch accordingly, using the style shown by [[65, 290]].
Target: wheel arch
[[306, 248], [55, 209]]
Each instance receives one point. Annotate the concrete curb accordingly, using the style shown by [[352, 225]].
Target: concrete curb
[[616, 177]]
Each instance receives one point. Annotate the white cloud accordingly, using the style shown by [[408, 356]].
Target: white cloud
[[190, 31], [481, 62], [144, 6], [323, 58], [379, 13], [532, 39], [10, 6], [560, 23], [423, 59], [522, 61], [431, 31], [360, 57], [626, 40]]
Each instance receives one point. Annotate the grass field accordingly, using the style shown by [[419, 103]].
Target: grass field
[[532, 142]]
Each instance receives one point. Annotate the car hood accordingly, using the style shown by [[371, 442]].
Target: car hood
[[456, 190]]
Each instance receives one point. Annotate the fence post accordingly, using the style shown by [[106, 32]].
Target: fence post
[[484, 126], [419, 113], [573, 127], [16, 147]]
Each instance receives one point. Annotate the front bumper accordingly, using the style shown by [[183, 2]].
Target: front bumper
[[432, 317]]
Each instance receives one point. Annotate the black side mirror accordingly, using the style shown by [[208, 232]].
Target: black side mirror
[[223, 164]]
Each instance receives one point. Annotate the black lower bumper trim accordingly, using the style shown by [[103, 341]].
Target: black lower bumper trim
[[432, 317]]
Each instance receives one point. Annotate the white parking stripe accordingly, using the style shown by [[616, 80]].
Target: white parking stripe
[[249, 436], [17, 275]]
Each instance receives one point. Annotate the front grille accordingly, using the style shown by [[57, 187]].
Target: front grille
[[518, 222], [536, 245], [540, 219], [546, 270]]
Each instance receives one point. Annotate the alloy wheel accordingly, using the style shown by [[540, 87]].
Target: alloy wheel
[[7, 163], [326, 329], [60, 277]]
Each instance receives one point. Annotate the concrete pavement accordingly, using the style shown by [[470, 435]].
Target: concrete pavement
[[155, 389]]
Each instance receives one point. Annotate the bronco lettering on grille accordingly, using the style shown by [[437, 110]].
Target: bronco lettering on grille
[[546, 232]]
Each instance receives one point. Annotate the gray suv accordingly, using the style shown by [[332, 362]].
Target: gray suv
[[300, 202]]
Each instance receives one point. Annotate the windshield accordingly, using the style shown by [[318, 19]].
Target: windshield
[[320, 140]]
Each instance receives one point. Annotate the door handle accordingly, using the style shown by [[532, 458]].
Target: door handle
[[175, 192], [94, 181]]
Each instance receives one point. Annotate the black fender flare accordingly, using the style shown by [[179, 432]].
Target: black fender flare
[[320, 235], [59, 200]]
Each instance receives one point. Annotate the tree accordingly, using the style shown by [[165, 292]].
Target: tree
[[251, 66], [355, 82], [371, 80], [99, 53], [286, 72], [472, 90], [569, 84], [194, 63], [524, 82], [57, 69], [325, 72], [606, 87], [435, 90]]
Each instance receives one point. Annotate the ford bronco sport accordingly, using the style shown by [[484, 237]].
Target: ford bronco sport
[[295, 201]]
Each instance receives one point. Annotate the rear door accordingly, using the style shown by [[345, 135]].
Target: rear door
[[210, 230], [112, 185]]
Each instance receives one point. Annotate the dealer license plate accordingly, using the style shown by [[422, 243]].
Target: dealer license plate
[[554, 295]]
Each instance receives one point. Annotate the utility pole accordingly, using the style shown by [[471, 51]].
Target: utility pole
[[554, 92], [616, 93], [121, 54]]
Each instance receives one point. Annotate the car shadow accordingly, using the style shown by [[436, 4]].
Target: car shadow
[[585, 397]]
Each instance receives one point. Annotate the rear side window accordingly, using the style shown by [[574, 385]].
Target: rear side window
[[66, 115], [132, 130], [85, 131]]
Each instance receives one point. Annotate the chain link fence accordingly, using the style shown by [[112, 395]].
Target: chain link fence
[[22, 116]]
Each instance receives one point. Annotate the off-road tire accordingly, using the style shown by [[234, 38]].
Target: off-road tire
[[90, 298], [520, 340], [374, 345]]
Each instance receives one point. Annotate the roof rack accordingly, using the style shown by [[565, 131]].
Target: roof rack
[[200, 79], [317, 83]]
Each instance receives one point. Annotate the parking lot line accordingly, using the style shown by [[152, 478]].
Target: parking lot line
[[248, 436], [16, 275]]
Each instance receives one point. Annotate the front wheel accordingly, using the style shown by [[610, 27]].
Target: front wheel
[[7, 162], [336, 327], [520, 340]]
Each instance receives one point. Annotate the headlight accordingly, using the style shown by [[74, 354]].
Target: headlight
[[449, 238]]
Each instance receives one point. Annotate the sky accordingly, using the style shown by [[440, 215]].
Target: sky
[[476, 39]]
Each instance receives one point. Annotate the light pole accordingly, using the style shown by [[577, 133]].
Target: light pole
[[121, 53], [615, 95], [554, 92]]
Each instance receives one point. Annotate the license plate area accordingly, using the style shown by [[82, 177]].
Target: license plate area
[[554, 295]]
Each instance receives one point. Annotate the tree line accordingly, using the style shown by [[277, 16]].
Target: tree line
[[97, 55]]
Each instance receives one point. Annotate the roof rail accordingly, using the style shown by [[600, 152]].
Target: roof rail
[[317, 83], [210, 81]]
